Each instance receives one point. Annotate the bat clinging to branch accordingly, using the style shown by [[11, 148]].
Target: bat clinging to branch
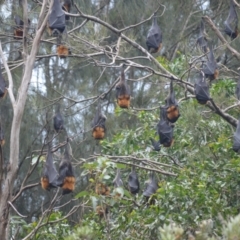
[[231, 23], [50, 174], [165, 130], [123, 92], [66, 179], [202, 41], [133, 182], [210, 69], [201, 89], [154, 37], [56, 19], [98, 124], [172, 106]]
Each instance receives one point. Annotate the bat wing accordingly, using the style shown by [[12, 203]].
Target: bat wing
[[151, 188], [66, 179], [155, 144], [56, 19], [63, 172], [18, 21], [122, 89], [165, 132], [57, 22], [117, 180], [202, 42], [58, 122], [171, 100], [231, 21], [238, 89], [49, 170], [154, 37], [202, 89], [95, 120], [99, 118], [236, 142], [133, 182], [211, 65], [52, 172], [2, 84], [236, 138], [209, 68]]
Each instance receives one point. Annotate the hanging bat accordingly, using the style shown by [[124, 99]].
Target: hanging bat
[[202, 41], [58, 122], [133, 182], [238, 89], [172, 106], [201, 89], [123, 92], [155, 144], [49, 174], [117, 182], [102, 189], [3, 89], [154, 37], [231, 23], [18, 29], [236, 139], [66, 179], [67, 4], [98, 124], [56, 19], [165, 130], [151, 186], [210, 69]]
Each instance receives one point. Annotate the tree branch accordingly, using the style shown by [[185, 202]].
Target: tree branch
[[10, 80]]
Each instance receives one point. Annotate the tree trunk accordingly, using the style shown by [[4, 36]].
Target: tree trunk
[[18, 109]]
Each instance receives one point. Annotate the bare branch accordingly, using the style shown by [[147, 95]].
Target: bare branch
[[10, 80], [16, 210]]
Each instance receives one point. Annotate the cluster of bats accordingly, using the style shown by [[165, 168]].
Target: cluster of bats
[[123, 98], [56, 25], [209, 70], [169, 113], [51, 178], [64, 177], [133, 186]]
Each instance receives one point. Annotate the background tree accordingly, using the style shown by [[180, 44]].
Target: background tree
[[197, 176]]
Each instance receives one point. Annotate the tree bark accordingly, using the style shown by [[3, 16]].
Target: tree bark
[[18, 109]]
